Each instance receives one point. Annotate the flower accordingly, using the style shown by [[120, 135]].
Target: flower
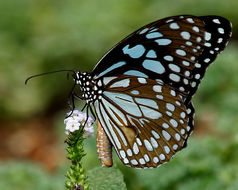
[[76, 120]]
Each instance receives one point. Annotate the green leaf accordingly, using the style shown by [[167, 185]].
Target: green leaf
[[102, 178]]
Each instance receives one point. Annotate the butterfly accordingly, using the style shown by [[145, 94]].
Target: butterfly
[[141, 90]]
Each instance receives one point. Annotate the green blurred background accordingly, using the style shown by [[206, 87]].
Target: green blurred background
[[39, 36]]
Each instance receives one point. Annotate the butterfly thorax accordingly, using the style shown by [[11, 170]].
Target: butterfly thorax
[[91, 89]]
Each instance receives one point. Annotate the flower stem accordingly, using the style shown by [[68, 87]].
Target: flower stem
[[76, 175]]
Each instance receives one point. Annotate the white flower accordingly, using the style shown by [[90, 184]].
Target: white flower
[[72, 125], [88, 131], [77, 120]]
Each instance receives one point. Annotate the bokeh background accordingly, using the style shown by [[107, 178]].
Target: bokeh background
[[39, 36]]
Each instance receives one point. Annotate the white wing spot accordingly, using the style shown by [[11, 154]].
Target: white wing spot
[[154, 142], [142, 80], [144, 31], [168, 113], [157, 88], [154, 66], [135, 92], [168, 58], [178, 103], [190, 20], [182, 115], [207, 36], [155, 134], [166, 149], [185, 35], [142, 161], [106, 80], [216, 21], [122, 153], [197, 65], [175, 146], [139, 141], [129, 152], [153, 30], [134, 52], [135, 148], [154, 35], [207, 44], [165, 125], [185, 81], [186, 63], [163, 42], [160, 97], [174, 67], [148, 145], [174, 26], [134, 162], [151, 54], [162, 157], [122, 83], [181, 88], [189, 111], [199, 39], [166, 135], [180, 52], [155, 160], [219, 40], [195, 28], [174, 77], [170, 20], [182, 131], [221, 30], [177, 137], [195, 50], [146, 157], [187, 73], [172, 92], [170, 107], [181, 121], [193, 84], [173, 122], [207, 60], [189, 43], [125, 160], [192, 58], [197, 76]]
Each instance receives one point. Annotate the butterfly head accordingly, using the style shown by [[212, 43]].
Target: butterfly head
[[91, 89]]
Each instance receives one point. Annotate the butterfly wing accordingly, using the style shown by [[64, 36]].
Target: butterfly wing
[[176, 50], [146, 121]]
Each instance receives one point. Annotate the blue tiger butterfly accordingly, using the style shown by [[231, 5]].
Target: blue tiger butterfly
[[141, 90]]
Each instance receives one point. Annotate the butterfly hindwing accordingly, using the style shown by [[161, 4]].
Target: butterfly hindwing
[[146, 121], [176, 50]]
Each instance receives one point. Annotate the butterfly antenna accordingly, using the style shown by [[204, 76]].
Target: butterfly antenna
[[33, 76], [71, 100]]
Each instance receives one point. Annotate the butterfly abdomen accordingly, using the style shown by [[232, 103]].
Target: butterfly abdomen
[[104, 147]]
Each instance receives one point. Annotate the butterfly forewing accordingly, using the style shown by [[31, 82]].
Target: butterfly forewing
[[146, 121], [175, 50]]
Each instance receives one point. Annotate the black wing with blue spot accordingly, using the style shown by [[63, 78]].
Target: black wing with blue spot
[[175, 50]]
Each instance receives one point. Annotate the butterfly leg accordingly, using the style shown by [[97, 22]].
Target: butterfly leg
[[71, 100], [92, 112]]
